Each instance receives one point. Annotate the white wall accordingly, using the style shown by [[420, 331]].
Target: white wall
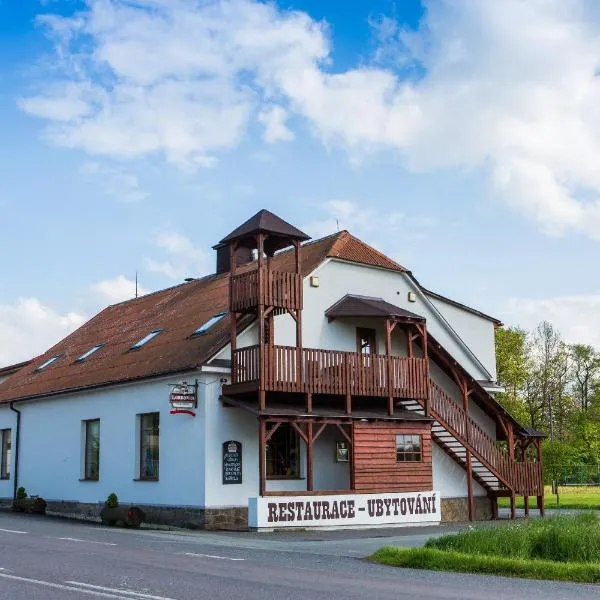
[[477, 332], [337, 278], [450, 478], [51, 446]]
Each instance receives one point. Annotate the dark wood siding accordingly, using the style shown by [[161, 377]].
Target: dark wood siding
[[375, 466]]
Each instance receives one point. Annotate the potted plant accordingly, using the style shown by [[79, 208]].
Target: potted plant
[[28, 504], [112, 513]]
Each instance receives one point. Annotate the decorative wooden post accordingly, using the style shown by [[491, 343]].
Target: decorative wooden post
[[262, 456], [388, 351], [465, 393], [309, 456], [540, 499]]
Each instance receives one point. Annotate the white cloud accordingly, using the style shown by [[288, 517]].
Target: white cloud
[[115, 181], [509, 89], [29, 327], [273, 118], [576, 317], [365, 222], [184, 259], [112, 291]]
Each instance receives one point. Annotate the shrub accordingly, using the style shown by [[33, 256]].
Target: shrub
[[21, 493], [112, 501]]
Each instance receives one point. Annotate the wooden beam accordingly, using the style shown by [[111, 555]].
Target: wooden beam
[[470, 486], [346, 435], [309, 457], [262, 459], [352, 461], [319, 432], [301, 433], [309, 402], [269, 434]]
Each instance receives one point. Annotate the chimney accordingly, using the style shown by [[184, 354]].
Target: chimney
[[243, 255]]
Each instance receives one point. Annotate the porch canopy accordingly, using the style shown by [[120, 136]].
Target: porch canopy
[[352, 305]]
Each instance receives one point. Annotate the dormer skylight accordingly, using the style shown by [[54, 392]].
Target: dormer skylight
[[91, 351], [146, 339], [48, 362], [212, 321]]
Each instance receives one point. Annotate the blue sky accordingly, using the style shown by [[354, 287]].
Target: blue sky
[[459, 137]]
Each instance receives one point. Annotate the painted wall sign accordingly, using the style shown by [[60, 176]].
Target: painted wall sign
[[183, 398], [348, 510], [232, 462]]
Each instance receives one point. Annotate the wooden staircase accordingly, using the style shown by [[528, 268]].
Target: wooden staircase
[[458, 434]]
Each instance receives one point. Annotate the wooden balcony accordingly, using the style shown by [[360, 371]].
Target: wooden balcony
[[308, 370], [280, 289]]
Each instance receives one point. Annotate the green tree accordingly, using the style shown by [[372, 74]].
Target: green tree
[[586, 371]]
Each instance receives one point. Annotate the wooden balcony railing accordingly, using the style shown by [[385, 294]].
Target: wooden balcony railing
[[524, 478], [279, 289], [290, 369]]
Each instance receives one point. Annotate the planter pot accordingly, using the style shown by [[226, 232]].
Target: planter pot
[[130, 516], [34, 504]]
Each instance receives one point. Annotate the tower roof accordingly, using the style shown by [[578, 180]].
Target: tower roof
[[265, 221]]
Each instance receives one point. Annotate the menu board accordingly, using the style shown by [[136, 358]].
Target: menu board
[[232, 462]]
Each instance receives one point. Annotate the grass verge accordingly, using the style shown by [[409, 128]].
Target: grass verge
[[565, 548], [441, 560]]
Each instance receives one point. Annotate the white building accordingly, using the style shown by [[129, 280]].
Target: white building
[[350, 382]]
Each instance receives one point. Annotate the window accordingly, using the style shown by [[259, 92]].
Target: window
[[146, 339], [212, 321], [149, 434], [366, 341], [408, 448], [5, 453], [283, 453], [92, 449], [89, 352], [48, 362]]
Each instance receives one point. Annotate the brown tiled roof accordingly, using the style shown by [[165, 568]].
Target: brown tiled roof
[[265, 221], [10, 369], [352, 305], [179, 311]]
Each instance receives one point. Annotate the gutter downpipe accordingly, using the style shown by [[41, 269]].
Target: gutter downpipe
[[17, 447]]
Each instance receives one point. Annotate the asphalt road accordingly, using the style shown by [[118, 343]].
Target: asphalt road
[[52, 559]]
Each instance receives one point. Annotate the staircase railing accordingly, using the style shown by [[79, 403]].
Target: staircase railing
[[523, 478]]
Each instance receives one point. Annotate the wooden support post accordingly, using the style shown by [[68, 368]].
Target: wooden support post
[[261, 323], [309, 402], [262, 399], [513, 505], [352, 463], [494, 502], [540, 505], [309, 456], [470, 486], [540, 499], [426, 357], [526, 504], [388, 353], [262, 458]]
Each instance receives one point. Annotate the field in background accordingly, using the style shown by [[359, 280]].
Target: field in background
[[580, 497]]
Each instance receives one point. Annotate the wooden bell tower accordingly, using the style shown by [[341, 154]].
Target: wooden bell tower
[[258, 289]]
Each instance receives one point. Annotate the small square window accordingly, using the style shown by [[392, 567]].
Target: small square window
[[212, 321], [91, 351], [409, 448], [146, 339], [48, 362]]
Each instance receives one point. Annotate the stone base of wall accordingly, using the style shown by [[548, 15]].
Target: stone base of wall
[[173, 516], [457, 509]]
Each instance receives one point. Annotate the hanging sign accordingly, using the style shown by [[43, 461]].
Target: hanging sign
[[183, 398], [232, 462], [352, 510]]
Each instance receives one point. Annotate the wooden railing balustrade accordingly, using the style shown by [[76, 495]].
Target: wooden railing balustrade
[[524, 478], [280, 290], [332, 372]]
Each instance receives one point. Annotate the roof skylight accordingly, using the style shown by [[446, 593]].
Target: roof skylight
[[48, 362], [146, 339], [212, 321], [89, 352]]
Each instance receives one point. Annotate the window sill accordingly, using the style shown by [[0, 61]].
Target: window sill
[[89, 479], [284, 478], [146, 479], [5, 478]]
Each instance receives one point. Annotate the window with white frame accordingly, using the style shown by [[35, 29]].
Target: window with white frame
[[5, 453], [149, 427], [91, 432]]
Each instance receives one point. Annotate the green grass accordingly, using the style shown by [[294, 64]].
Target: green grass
[[569, 497], [440, 560], [563, 547]]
